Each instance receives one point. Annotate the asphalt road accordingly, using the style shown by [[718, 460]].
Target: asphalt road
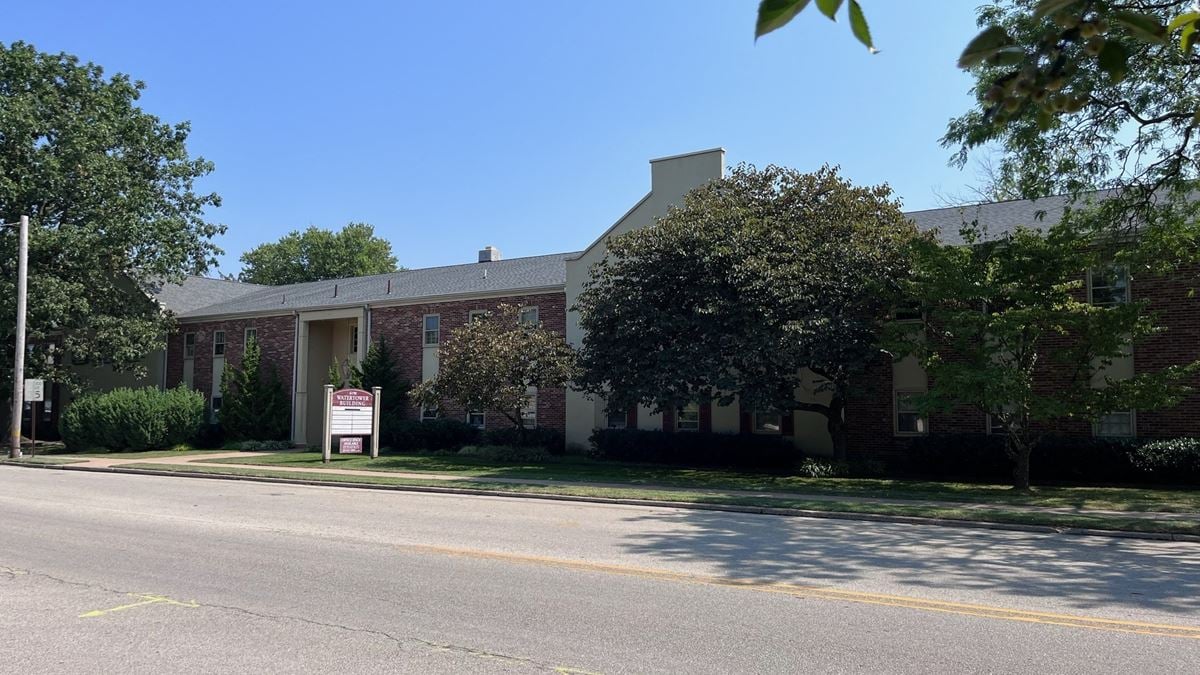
[[118, 573]]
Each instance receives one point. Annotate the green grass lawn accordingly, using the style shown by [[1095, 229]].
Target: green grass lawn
[[577, 469], [49, 459], [993, 515]]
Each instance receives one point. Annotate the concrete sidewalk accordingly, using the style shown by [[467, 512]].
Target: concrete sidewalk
[[467, 481]]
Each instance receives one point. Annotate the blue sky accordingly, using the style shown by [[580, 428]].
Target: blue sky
[[523, 124]]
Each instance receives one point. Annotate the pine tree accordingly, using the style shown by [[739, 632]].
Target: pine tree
[[255, 403]]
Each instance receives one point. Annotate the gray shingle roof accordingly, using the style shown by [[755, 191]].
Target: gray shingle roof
[[998, 218], [513, 275], [196, 292]]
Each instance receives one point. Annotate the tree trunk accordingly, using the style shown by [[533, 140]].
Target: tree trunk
[[1020, 451], [836, 425]]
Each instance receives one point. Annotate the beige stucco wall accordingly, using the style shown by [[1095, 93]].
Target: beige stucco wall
[[670, 179]]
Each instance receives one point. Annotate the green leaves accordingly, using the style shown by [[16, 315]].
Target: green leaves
[[774, 14], [829, 8], [858, 26], [1143, 26], [987, 44], [318, 254], [1048, 7], [1187, 21], [1114, 60]]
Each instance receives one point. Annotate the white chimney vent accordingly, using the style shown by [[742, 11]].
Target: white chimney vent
[[489, 254]]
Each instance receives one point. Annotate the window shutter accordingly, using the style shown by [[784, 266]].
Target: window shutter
[[747, 422], [669, 420], [787, 423], [706, 417], [631, 418]]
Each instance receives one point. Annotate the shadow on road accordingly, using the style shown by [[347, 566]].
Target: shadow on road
[[1082, 572]]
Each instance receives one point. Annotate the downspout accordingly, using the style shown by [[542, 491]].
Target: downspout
[[295, 369]]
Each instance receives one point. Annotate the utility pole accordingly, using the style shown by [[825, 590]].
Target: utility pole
[[18, 402]]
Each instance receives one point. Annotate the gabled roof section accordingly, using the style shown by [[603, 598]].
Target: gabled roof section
[[197, 291], [999, 218], [515, 275]]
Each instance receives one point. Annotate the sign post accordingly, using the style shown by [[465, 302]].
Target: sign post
[[327, 437], [376, 393], [34, 392]]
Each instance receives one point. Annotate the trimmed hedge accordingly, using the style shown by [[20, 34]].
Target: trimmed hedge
[[505, 453], [694, 449], [981, 457], [550, 440], [1174, 460], [133, 419], [431, 435]]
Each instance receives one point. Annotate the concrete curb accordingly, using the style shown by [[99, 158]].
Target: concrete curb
[[728, 508]]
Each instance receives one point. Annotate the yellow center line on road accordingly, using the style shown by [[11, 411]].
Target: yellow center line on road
[[146, 599], [884, 599]]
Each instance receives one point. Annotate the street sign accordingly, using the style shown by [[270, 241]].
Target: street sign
[[350, 445], [35, 390]]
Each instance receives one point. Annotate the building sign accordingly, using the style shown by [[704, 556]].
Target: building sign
[[35, 390], [351, 413]]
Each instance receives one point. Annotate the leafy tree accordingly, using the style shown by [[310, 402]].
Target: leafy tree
[[756, 277], [1010, 332], [492, 363], [316, 254], [110, 193], [254, 402], [1083, 95], [1090, 95]]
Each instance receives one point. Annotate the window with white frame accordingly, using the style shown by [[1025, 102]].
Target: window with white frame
[[768, 423], [1116, 425], [687, 418], [218, 343], [429, 414], [527, 316], [529, 411], [475, 418], [251, 335], [354, 339], [189, 345], [1108, 285], [433, 330], [617, 419], [995, 426], [476, 315], [908, 311], [909, 421]]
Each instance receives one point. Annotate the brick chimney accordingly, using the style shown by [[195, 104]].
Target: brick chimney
[[489, 254]]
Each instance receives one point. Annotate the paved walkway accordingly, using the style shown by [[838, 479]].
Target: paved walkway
[[206, 461]]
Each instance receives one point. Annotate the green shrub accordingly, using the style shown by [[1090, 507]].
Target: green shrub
[[552, 441], [254, 403], [694, 448], [432, 435], [981, 457], [261, 446], [133, 419], [505, 453], [1174, 460], [818, 468]]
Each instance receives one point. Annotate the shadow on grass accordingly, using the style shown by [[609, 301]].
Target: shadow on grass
[[1080, 572]]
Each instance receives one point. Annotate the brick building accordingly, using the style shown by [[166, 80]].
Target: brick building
[[302, 328]]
